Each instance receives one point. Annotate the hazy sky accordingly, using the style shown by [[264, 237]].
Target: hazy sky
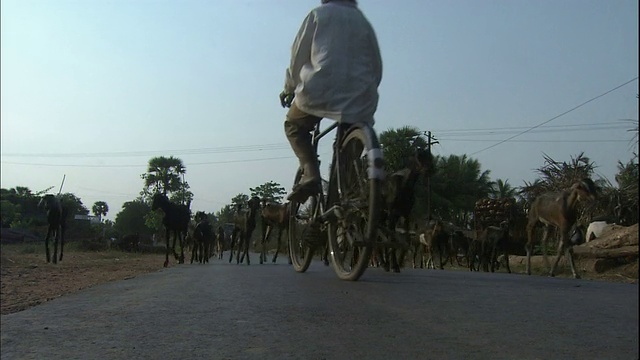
[[94, 89]]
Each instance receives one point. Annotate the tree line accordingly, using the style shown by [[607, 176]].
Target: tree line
[[455, 183]]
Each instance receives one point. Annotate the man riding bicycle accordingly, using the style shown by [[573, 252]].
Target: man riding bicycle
[[334, 73]]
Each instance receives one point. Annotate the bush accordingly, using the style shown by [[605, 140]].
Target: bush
[[28, 249], [151, 249], [92, 244]]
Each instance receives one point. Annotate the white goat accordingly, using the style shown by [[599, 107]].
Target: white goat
[[595, 229]]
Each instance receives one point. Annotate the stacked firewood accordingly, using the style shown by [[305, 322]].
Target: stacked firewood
[[491, 212]]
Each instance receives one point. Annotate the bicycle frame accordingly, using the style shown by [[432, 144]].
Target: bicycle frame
[[315, 140], [335, 211]]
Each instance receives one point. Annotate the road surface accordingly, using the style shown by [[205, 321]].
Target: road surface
[[229, 311]]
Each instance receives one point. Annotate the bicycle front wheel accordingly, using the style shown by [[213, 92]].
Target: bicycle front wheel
[[356, 190], [300, 252]]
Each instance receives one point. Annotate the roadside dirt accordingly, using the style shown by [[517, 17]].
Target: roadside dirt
[[27, 280], [612, 257]]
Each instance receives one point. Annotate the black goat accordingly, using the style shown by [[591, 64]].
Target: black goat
[[491, 241], [244, 224], [202, 239], [175, 220], [399, 195], [57, 219]]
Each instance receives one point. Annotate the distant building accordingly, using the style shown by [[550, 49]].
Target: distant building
[[92, 219]]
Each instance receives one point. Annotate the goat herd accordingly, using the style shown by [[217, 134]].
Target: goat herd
[[497, 230], [205, 243], [500, 230]]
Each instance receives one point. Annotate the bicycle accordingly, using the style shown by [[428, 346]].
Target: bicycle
[[347, 210]]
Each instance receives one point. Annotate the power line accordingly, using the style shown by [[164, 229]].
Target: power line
[[215, 150], [548, 128], [283, 146], [144, 165], [540, 141], [540, 130], [557, 116]]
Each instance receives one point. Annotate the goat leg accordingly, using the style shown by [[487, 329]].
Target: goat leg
[[46, 245], [557, 260], [265, 239], [569, 256], [529, 246], [55, 246], [386, 263], [395, 266], [239, 250], [166, 239], [61, 241], [506, 260], [246, 251], [179, 235], [493, 258], [275, 256]]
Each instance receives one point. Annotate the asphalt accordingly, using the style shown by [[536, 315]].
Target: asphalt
[[229, 311]]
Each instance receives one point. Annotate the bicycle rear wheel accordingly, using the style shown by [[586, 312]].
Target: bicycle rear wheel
[[351, 237], [300, 252]]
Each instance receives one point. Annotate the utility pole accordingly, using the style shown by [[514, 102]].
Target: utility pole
[[430, 141]]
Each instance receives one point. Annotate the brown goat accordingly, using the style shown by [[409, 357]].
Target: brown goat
[[273, 216], [558, 209], [435, 238], [244, 223]]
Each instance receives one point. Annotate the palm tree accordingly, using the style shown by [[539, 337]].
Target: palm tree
[[164, 175], [240, 200], [502, 189], [99, 209], [399, 144], [557, 175], [457, 185]]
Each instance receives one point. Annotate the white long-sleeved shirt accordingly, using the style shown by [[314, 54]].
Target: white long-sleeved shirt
[[335, 65]]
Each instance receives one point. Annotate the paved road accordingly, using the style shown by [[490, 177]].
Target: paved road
[[228, 311]]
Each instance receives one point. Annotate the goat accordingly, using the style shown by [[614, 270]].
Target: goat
[[399, 196], [558, 209], [434, 238], [221, 242], [493, 239], [273, 216], [202, 239], [175, 220], [459, 246], [57, 219], [426, 243], [596, 229], [129, 242], [244, 224]]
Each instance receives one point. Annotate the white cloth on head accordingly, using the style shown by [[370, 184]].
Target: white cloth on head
[[335, 65]]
